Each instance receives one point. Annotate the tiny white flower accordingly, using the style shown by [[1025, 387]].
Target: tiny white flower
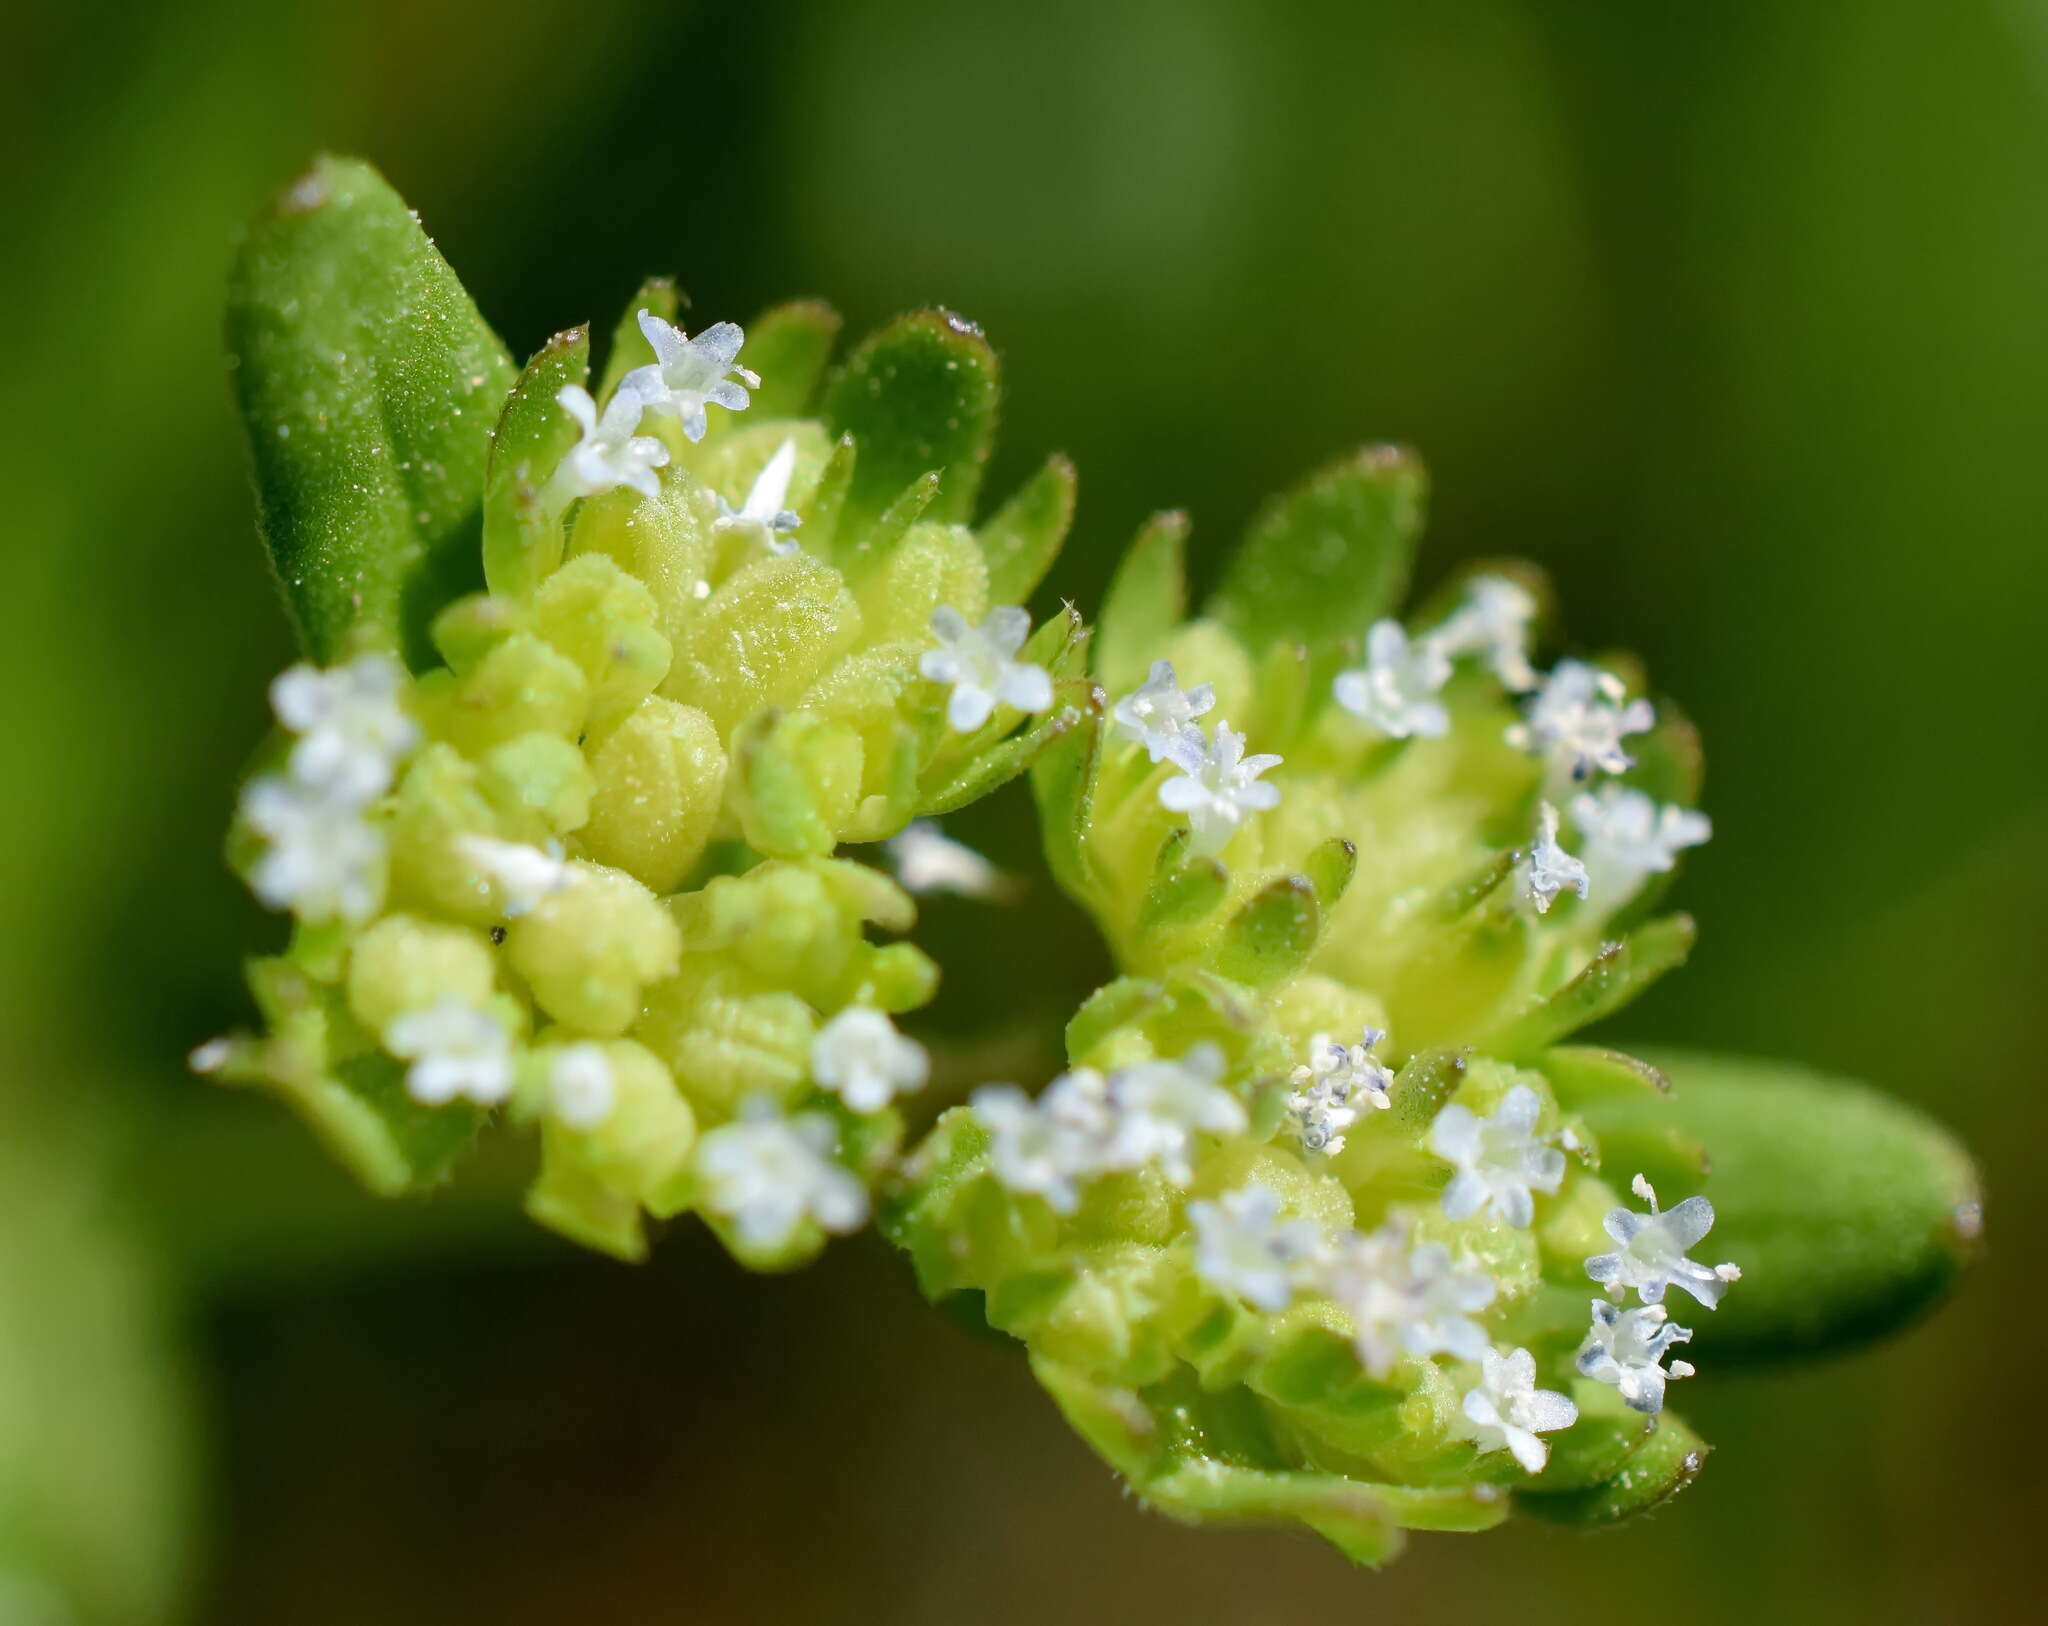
[[322, 859], [1218, 786], [1334, 1087], [687, 374], [1244, 1248], [457, 1052], [1031, 1150], [1652, 1255], [351, 724], [1407, 1301], [1500, 1160], [520, 875], [1577, 721], [1507, 1412], [981, 665], [1160, 715], [581, 1090], [768, 1174], [762, 516], [1625, 838], [1547, 869], [1627, 1348], [861, 1058], [211, 1056], [1493, 621], [1396, 690], [1160, 1106], [927, 860], [609, 454]]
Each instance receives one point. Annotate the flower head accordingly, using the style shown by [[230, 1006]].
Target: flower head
[[762, 516], [768, 1174], [862, 1059], [322, 859], [1577, 721], [1405, 1299], [928, 860], [1244, 1248], [980, 663], [687, 374], [1396, 690], [1217, 787], [457, 1051], [520, 875], [1625, 838], [1507, 1412], [1547, 869], [1501, 1160], [1160, 1106], [581, 1090], [352, 728], [1652, 1255], [1045, 1147], [1493, 622], [609, 454], [1333, 1087], [1627, 1348], [1160, 715]]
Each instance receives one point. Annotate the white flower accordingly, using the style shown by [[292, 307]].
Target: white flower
[[1547, 869], [1242, 1247], [322, 859], [353, 729], [456, 1051], [1396, 690], [979, 662], [1500, 1160], [1493, 622], [1413, 1301], [609, 454], [928, 860], [689, 374], [1652, 1255], [1627, 1347], [768, 1174], [581, 1092], [762, 516], [522, 876], [1577, 722], [1160, 1106], [1625, 838], [211, 1056], [1218, 786], [1160, 715], [861, 1057], [1332, 1088], [1507, 1411], [1044, 1147]]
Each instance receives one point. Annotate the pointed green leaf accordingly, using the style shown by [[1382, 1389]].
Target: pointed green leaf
[[919, 394], [857, 548], [1022, 538], [1582, 1074], [523, 533], [1182, 894], [1329, 869], [1272, 935], [1615, 975], [1000, 764], [1147, 599], [629, 347], [369, 385], [1849, 1213], [789, 346], [1063, 786], [1327, 559], [1668, 1461]]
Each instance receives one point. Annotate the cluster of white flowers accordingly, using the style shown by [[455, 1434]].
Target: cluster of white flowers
[[1627, 1347], [1086, 1124], [1397, 691], [323, 858], [980, 665], [863, 1060], [1334, 1087], [457, 1052], [1243, 1247], [1577, 721], [770, 1174], [1501, 1160]]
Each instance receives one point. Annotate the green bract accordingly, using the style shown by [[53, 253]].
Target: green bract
[[1309, 1232]]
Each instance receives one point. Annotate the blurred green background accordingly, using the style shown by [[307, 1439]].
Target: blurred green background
[[1733, 317]]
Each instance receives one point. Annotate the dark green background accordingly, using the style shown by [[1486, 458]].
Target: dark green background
[[1734, 317]]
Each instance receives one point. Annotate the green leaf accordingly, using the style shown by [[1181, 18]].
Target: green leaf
[[918, 395], [1063, 786], [1849, 1213], [1614, 976], [1324, 561], [1147, 599], [1272, 935], [369, 386], [629, 347], [522, 533], [789, 346], [1182, 894], [1668, 1461], [1329, 868], [1022, 538]]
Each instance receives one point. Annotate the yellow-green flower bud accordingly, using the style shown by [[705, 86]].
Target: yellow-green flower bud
[[590, 948]]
